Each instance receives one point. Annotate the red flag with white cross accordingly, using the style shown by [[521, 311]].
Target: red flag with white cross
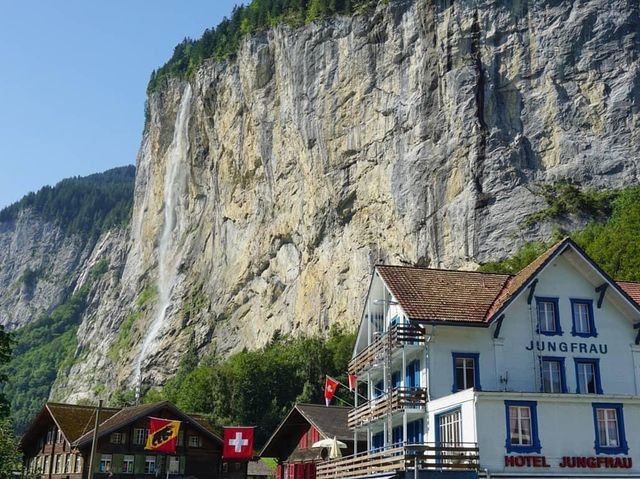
[[330, 388], [238, 443]]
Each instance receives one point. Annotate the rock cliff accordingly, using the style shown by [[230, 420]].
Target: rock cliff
[[268, 185]]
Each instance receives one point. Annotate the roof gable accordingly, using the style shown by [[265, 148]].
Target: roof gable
[[128, 415], [330, 422]]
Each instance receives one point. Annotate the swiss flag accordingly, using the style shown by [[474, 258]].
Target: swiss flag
[[353, 382], [238, 443], [330, 388]]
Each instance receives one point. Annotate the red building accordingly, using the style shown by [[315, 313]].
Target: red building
[[57, 445], [292, 442]]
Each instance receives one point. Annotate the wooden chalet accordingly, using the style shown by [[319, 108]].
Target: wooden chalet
[[291, 443], [57, 445]]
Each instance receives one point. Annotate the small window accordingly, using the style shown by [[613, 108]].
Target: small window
[[174, 465], [522, 427], [553, 375], [582, 314], [105, 463], [127, 464], [609, 429], [396, 436], [117, 438], [378, 389], [140, 436], [180, 438], [194, 441], [150, 464], [59, 464], [588, 376], [395, 379], [67, 464], [77, 468], [466, 372], [548, 316]]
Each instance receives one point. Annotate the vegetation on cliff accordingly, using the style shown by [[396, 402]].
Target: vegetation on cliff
[[259, 387], [87, 206], [9, 454], [43, 350], [610, 238], [223, 41]]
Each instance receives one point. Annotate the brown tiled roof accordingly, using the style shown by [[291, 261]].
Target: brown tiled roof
[[75, 420], [131, 414], [517, 282], [441, 295], [631, 288]]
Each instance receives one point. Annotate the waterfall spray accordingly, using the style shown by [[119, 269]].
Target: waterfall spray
[[167, 268]]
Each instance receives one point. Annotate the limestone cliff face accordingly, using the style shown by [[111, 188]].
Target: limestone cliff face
[[39, 263], [268, 186]]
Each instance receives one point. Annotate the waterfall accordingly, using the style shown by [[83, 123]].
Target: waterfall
[[174, 179]]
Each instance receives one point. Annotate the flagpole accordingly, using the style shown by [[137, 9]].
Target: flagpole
[[345, 386]]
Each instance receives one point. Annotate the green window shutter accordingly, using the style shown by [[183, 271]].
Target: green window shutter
[[182, 464], [138, 465], [116, 463], [96, 462]]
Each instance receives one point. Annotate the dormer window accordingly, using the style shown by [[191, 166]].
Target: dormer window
[[548, 316]]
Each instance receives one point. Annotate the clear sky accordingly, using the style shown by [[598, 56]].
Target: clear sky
[[73, 75]]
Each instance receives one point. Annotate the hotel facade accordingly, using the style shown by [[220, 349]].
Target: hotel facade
[[469, 374]]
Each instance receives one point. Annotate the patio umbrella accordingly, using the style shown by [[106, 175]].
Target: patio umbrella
[[329, 443]]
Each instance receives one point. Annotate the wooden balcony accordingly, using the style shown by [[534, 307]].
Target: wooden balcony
[[401, 459], [395, 337], [401, 398]]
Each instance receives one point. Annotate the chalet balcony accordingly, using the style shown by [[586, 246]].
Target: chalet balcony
[[402, 459], [401, 398], [397, 335]]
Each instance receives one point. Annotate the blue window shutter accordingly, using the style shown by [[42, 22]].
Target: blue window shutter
[[416, 374], [408, 375]]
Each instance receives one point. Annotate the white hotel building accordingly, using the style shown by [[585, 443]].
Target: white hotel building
[[471, 374]]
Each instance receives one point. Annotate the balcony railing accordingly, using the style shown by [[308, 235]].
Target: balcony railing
[[403, 458], [401, 398], [396, 336]]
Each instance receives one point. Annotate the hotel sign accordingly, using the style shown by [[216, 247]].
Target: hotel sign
[[571, 462], [564, 347]]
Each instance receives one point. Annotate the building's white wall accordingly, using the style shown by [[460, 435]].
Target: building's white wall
[[566, 428], [509, 358]]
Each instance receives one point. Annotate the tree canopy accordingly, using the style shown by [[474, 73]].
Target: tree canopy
[[257, 388], [87, 206], [223, 41]]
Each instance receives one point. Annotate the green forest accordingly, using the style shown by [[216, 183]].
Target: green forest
[[86, 206], [223, 41], [258, 387], [610, 238]]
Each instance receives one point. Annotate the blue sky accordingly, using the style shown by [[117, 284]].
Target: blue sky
[[73, 76]]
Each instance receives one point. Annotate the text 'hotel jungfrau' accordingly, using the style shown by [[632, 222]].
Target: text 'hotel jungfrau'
[[467, 373]]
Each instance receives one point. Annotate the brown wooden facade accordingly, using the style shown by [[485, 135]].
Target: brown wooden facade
[[58, 445]]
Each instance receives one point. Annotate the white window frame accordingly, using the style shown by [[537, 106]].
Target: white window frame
[[583, 384], [195, 441], [516, 413], [106, 461], [548, 376], [450, 428], [140, 436], [606, 440], [544, 309], [150, 464], [582, 315], [174, 465], [128, 464]]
